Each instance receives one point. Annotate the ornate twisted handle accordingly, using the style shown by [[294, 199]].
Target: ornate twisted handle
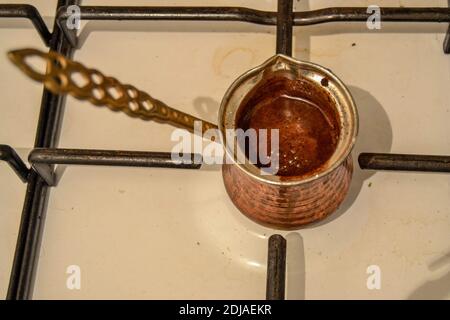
[[66, 76]]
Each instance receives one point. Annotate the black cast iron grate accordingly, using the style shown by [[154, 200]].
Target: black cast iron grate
[[45, 154]]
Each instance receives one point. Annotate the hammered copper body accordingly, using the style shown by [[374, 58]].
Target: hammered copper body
[[287, 207], [289, 202]]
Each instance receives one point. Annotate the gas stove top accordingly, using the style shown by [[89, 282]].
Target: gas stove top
[[170, 233]]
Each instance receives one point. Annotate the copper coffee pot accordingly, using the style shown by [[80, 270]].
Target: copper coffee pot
[[272, 200]]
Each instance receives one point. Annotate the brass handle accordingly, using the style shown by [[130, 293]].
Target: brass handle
[[66, 76]]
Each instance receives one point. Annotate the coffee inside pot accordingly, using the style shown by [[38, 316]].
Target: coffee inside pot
[[304, 115]]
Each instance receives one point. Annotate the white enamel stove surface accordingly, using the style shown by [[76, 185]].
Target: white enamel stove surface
[[161, 233]]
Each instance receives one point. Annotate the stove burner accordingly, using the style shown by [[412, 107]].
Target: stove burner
[[64, 41]]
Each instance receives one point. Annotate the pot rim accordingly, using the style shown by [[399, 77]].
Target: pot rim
[[346, 99]]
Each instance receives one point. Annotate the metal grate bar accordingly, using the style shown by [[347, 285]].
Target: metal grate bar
[[352, 14], [29, 12], [276, 268], [447, 41], [43, 159], [10, 156], [284, 27], [404, 162], [342, 14], [33, 214]]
